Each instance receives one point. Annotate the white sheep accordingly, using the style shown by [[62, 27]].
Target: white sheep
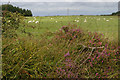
[[29, 21], [77, 21], [85, 20], [37, 22], [35, 18]]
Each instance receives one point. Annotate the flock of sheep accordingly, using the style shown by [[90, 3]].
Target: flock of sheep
[[85, 20], [33, 21]]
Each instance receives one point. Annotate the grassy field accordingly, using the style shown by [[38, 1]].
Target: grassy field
[[108, 25], [61, 47]]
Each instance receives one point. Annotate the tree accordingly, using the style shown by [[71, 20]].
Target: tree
[[11, 8]]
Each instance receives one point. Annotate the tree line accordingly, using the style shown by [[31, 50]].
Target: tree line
[[11, 8], [116, 13]]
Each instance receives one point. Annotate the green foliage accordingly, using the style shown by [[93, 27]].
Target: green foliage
[[116, 13], [10, 23], [13, 9]]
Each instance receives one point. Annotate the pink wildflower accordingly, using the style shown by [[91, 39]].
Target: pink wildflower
[[100, 43], [67, 54], [90, 41], [96, 74]]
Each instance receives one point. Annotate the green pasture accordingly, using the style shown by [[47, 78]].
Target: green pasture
[[108, 25]]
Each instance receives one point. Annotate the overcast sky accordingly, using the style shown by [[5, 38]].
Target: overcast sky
[[65, 7]]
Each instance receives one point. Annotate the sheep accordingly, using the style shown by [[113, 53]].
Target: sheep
[[29, 21], [85, 20], [77, 21], [37, 22], [33, 20]]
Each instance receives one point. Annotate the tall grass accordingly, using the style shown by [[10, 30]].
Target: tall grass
[[71, 53]]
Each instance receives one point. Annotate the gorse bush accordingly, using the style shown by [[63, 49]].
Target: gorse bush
[[71, 53], [10, 23]]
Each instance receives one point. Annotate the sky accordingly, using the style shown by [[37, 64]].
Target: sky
[[66, 7]]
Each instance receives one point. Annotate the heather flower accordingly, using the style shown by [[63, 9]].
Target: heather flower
[[109, 54], [94, 56], [78, 30], [118, 47], [100, 43], [65, 28], [103, 34], [73, 30], [94, 44], [106, 45], [74, 36], [95, 62], [91, 64], [67, 54], [89, 33], [60, 29], [90, 41], [91, 59], [57, 71], [96, 74]]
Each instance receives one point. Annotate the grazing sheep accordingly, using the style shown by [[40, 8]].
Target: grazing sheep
[[35, 18], [77, 21], [85, 20], [29, 21], [37, 22]]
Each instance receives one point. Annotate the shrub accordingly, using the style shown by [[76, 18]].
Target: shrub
[[10, 23]]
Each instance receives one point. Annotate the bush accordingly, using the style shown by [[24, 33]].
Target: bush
[[10, 23]]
